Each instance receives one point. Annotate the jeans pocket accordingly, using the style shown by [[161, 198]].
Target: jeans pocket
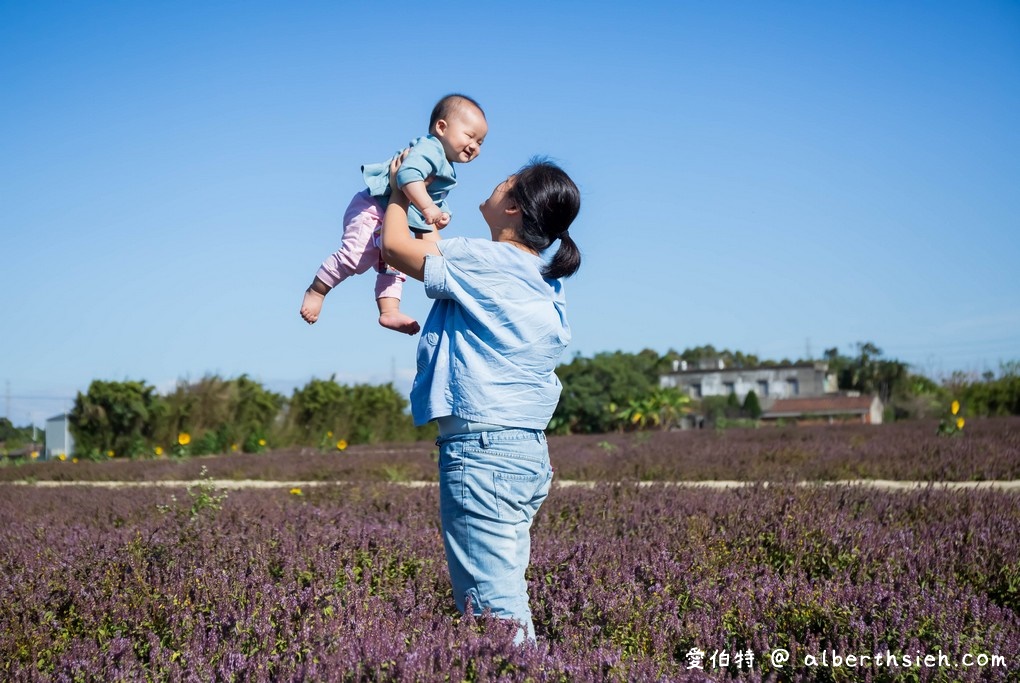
[[518, 495], [451, 459]]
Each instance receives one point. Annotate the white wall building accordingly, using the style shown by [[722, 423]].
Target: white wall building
[[58, 437], [769, 383]]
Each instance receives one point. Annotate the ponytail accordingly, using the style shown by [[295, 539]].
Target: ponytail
[[548, 201], [565, 261]]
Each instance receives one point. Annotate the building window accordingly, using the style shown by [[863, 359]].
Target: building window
[[695, 390], [730, 388], [793, 385], [763, 387]]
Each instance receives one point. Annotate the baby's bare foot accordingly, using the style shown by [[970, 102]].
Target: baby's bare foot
[[311, 305], [395, 320]]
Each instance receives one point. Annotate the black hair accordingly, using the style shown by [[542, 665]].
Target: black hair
[[548, 201], [448, 104]]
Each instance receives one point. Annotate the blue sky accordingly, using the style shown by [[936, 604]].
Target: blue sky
[[771, 177]]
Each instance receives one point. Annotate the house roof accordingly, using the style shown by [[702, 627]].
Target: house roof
[[808, 365], [820, 405]]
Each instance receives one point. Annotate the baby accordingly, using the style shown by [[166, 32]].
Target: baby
[[457, 130]]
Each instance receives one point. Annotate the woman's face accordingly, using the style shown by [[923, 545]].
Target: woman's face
[[494, 208]]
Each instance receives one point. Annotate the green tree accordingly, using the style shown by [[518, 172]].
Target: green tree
[[839, 365], [255, 409], [379, 413], [320, 406], [591, 385], [716, 407], [219, 413], [990, 397], [360, 414], [199, 408], [115, 416], [12, 437], [868, 372], [752, 407], [919, 397]]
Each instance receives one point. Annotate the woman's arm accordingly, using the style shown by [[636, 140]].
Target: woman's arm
[[399, 248]]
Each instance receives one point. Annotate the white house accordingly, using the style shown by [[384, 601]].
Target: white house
[[58, 437], [769, 383], [797, 392]]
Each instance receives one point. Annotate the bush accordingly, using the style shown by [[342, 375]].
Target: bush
[[363, 413], [752, 407], [117, 417], [219, 413]]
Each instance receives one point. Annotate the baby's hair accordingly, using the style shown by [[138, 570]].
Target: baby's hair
[[548, 201], [449, 104]]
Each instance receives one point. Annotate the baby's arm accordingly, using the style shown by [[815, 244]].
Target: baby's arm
[[418, 193]]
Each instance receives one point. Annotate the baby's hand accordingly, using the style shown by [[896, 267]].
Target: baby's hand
[[434, 216], [444, 220]]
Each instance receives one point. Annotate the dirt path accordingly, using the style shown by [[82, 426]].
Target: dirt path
[[883, 484]]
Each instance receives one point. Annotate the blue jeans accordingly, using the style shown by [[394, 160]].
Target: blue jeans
[[491, 484]]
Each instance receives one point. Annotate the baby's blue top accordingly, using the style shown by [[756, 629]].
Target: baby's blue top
[[426, 158], [489, 348]]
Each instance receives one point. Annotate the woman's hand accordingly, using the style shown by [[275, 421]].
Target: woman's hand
[[395, 163]]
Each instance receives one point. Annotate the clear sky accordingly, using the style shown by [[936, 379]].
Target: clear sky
[[770, 177]]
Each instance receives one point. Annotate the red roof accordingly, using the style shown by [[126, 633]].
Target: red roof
[[820, 405]]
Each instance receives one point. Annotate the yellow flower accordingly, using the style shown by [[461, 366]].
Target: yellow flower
[[34, 454], [234, 448], [262, 442], [329, 435], [62, 457], [637, 418], [158, 451], [341, 445], [184, 438], [109, 454], [74, 459], [959, 423], [295, 492], [955, 407]]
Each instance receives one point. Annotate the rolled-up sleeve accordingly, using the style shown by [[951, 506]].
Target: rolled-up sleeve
[[460, 273], [435, 277]]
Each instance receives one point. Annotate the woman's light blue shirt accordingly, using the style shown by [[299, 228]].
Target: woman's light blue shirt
[[490, 346]]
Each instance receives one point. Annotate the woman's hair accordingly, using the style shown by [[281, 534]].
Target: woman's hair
[[548, 201]]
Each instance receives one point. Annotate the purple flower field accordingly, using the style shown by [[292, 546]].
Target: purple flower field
[[348, 583], [988, 450]]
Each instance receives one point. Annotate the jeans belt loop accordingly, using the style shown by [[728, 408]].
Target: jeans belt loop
[[485, 439]]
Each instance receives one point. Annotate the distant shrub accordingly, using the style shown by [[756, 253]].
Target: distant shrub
[[118, 417]]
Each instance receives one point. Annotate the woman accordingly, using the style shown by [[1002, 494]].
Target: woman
[[486, 364]]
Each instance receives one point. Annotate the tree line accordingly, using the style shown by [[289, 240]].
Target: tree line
[[592, 387], [217, 415], [612, 391]]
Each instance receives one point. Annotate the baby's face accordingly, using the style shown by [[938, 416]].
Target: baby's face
[[462, 134]]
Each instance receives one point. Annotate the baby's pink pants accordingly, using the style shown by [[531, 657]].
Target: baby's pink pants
[[359, 249]]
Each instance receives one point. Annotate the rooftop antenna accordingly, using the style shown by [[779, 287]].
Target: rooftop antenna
[[808, 345]]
